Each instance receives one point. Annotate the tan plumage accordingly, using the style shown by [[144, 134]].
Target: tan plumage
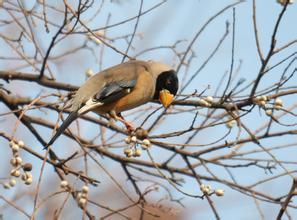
[[116, 89]]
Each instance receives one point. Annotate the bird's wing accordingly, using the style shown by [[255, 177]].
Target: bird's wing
[[111, 92], [115, 90], [107, 83]]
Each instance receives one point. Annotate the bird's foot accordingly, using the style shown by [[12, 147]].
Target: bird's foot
[[118, 117], [129, 126]]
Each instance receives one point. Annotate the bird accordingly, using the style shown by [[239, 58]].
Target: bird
[[120, 88]]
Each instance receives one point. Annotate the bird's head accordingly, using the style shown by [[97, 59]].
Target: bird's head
[[166, 87]]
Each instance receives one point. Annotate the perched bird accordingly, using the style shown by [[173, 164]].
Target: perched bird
[[120, 88]]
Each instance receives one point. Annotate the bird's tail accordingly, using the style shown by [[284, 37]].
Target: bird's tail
[[71, 117]]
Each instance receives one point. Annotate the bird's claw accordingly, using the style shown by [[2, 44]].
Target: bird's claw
[[129, 126]]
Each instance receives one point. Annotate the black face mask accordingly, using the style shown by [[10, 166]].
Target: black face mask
[[166, 80]]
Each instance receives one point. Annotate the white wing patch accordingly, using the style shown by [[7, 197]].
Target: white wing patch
[[89, 105]]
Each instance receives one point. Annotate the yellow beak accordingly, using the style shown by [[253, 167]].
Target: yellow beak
[[165, 97]]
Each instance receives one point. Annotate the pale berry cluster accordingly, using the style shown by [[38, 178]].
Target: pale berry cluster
[[89, 72], [96, 36], [132, 150], [82, 196], [64, 185], [19, 169], [230, 123], [206, 102], [262, 102], [278, 104], [206, 190]]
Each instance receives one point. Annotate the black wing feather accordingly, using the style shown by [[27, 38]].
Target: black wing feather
[[115, 90]]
